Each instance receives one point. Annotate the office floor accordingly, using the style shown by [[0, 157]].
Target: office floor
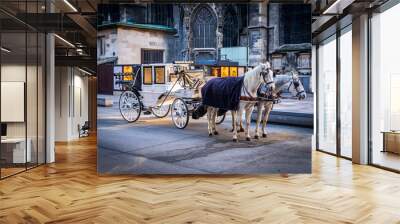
[[70, 191], [15, 169], [10, 171], [387, 159]]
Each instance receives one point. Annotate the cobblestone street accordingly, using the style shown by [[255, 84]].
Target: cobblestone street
[[154, 146]]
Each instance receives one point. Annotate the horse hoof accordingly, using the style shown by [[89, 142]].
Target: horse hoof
[[241, 130], [235, 140], [209, 134], [256, 137], [264, 135], [247, 138], [215, 132]]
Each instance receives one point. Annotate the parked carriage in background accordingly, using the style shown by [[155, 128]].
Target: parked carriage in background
[[160, 89]]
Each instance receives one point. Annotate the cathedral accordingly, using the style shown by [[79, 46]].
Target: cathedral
[[207, 34]]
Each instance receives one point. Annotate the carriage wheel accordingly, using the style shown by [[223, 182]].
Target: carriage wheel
[[161, 111], [130, 106], [180, 113], [220, 119]]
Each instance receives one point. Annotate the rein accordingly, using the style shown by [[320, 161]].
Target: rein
[[250, 97]]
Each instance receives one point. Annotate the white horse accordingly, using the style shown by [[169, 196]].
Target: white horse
[[248, 105], [292, 84], [252, 80]]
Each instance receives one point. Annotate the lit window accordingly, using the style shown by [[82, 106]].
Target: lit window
[[224, 71], [215, 71], [233, 71], [147, 76], [160, 75]]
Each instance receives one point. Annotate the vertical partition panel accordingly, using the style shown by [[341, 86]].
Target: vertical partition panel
[[32, 98], [385, 88], [14, 144], [346, 92], [22, 87], [327, 95], [41, 107]]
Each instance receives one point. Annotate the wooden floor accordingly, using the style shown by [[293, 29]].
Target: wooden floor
[[70, 191]]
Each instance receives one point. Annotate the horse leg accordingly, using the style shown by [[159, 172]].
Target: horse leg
[[233, 121], [234, 116], [236, 122], [259, 116], [249, 110], [240, 116], [214, 116], [241, 120], [268, 108], [209, 115]]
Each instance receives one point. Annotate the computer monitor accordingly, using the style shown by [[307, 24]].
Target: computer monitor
[[3, 129]]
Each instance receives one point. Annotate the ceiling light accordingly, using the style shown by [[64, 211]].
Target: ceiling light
[[5, 50], [84, 71], [70, 5], [64, 40], [337, 7]]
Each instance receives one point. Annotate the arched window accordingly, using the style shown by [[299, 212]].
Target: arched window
[[204, 25], [230, 29]]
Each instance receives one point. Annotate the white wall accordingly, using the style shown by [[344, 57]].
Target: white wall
[[71, 102]]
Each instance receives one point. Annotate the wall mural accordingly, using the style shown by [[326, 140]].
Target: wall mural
[[210, 99]]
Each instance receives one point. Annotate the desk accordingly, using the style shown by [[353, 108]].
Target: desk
[[13, 150], [391, 141]]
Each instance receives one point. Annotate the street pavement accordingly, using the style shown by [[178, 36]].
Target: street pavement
[[154, 146]]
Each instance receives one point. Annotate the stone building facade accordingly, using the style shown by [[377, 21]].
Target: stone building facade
[[208, 34]]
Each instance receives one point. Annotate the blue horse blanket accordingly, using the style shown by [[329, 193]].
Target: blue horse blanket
[[222, 93]]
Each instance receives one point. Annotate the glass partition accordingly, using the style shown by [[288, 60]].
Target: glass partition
[[22, 77], [31, 97], [327, 95], [346, 92], [13, 95], [385, 89], [41, 97]]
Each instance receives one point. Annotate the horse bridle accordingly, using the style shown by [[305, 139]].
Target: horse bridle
[[296, 84], [265, 74]]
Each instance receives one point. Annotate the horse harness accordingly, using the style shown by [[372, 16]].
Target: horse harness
[[249, 97], [296, 86]]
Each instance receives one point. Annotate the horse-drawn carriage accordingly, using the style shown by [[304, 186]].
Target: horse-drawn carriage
[[160, 89]]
